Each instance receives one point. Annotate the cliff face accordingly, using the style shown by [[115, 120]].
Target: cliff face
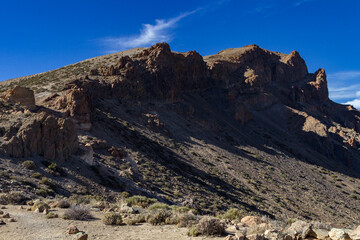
[[246, 127]]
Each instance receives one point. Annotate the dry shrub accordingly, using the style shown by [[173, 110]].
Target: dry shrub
[[15, 198], [210, 227], [159, 217], [233, 214], [135, 220], [77, 212], [187, 220], [112, 218], [63, 203]]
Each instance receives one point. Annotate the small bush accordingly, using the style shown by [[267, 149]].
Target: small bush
[[232, 214], [187, 220], [135, 220], [77, 212], [158, 217], [36, 175], [51, 215], [16, 198], [140, 201], [63, 203], [210, 227], [40, 205], [193, 232], [158, 205], [42, 192], [112, 218], [29, 165]]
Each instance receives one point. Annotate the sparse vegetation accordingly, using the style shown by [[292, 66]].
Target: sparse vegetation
[[29, 164], [77, 212], [112, 218], [140, 201]]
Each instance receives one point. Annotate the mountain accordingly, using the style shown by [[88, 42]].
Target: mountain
[[246, 128]]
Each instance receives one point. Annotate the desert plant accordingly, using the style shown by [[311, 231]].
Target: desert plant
[[186, 220], [63, 203], [135, 220], [29, 164], [158, 205], [15, 198], [141, 201], [193, 232], [112, 218], [36, 175], [51, 215], [232, 214], [180, 209], [158, 217], [77, 212], [40, 205], [210, 227]]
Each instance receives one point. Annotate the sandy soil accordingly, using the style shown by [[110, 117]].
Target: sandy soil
[[34, 226]]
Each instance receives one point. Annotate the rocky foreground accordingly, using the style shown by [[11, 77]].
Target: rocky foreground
[[246, 128]]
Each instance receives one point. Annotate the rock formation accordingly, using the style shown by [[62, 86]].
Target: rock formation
[[21, 95], [51, 137]]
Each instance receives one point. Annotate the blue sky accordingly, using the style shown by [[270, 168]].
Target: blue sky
[[41, 35]]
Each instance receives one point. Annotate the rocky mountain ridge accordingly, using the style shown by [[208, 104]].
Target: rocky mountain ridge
[[247, 126]]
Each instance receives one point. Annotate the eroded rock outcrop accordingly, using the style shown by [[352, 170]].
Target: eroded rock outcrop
[[21, 95], [41, 134]]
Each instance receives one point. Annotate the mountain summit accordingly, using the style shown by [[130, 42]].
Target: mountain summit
[[246, 127]]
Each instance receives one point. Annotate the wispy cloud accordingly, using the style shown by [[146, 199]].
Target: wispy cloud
[[300, 2], [149, 34], [342, 87]]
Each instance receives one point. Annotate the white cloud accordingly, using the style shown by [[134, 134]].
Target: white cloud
[[346, 75], [355, 103], [149, 34]]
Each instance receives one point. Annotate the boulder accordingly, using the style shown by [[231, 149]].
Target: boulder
[[72, 229], [21, 95], [251, 220], [321, 233], [355, 234], [339, 234], [2, 222], [81, 236], [230, 237], [299, 228]]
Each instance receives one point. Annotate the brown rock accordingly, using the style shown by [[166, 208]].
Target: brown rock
[[117, 153], [319, 90], [81, 236], [77, 104], [44, 135], [21, 95], [72, 229], [251, 220], [352, 142], [2, 222], [6, 215], [230, 237]]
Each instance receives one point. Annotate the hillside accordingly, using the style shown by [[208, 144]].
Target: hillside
[[246, 128]]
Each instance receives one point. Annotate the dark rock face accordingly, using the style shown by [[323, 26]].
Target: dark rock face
[[44, 135]]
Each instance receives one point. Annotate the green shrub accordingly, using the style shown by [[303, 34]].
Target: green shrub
[[51, 215], [29, 164], [193, 232], [232, 214], [112, 218], [135, 220], [158, 205], [36, 175], [159, 217], [40, 205], [187, 220], [140, 201]]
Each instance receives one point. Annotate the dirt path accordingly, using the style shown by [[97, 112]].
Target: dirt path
[[34, 226]]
